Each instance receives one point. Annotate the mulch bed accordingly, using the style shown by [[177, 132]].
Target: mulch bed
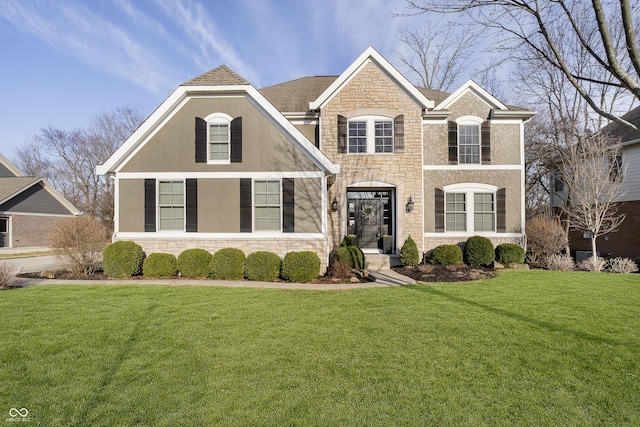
[[446, 273]]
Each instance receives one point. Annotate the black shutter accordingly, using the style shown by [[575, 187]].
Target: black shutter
[[485, 136], [288, 203], [453, 143], [342, 134], [201, 140], [398, 134], [246, 225], [439, 208], [192, 205], [236, 140], [149, 205], [501, 211]]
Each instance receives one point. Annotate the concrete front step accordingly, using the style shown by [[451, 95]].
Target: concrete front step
[[377, 262]]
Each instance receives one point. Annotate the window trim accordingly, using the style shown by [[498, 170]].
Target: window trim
[[370, 133], [218, 119], [254, 205], [470, 121], [470, 190], [159, 206]]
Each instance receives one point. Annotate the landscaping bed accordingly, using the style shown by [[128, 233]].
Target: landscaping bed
[[446, 273]]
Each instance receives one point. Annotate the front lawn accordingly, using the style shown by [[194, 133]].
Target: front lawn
[[525, 348]]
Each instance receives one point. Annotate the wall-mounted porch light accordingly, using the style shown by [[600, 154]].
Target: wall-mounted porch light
[[409, 205], [334, 205]]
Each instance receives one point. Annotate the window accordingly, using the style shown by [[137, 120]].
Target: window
[[218, 142], [267, 206], [615, 168], [171, 205], [384, 137], [456, 212], [218, 138], [483, 212], [470, 208], [357, 137], [469, 144], [4, 225], [371, 134]]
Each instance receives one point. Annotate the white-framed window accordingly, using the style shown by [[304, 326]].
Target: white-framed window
[[470, 207], [484, 212], [171, 206], [469, 139], [267, 202], [455, 212], [218, 138], [370, 134]]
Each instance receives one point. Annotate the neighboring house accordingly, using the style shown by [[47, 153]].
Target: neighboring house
[[298, 165], [28, 208], [626, 241]]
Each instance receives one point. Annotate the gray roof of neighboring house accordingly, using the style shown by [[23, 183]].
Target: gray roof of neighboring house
[[12, 186], [221, 76], [624, 132]]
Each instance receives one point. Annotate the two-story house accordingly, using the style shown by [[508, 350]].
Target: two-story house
[[299, 165]]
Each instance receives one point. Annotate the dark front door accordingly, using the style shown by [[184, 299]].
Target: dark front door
[[369, 217], [4, 232]]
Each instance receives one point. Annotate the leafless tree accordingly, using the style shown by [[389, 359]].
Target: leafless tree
[[593, 45], [592, 171], [438, 54], [68, 158]]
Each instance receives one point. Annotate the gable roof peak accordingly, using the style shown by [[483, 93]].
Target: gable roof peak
[[372, 55], [10, 166], [220, 76]]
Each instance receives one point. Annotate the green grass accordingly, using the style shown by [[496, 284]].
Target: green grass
[[526, 348]]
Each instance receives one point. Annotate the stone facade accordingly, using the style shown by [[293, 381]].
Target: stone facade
[[372, 92], [279, 246]]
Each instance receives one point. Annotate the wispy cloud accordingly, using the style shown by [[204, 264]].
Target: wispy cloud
[[212, 47], [75, 30]]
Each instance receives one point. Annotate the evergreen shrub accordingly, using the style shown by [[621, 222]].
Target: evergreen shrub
[[194, 263], [300, 267], [262, 266], [446, 255], [227, 264], [122, 259], [409, 254], [509, 253], [479, 251], [160, 265]]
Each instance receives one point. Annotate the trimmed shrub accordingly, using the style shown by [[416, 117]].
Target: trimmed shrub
[[446, 255], [409, 254], [122, 259], [160, 265], [622, 265], [300, 267], [351, 256], [193, 263], [262, 266], [479, 251], [348, 240], [559, 262], [227, 264], [509, 253], [79, 242]]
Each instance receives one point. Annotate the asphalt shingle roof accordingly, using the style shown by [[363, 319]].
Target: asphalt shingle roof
[[295, 95], [11, 186], [221, 76], [624, 132]]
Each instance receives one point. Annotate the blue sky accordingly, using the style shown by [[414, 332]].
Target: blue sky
[[66, 61]]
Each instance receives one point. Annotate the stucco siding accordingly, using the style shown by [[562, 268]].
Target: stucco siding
[[131, 205], [264, 146], [508, 179]]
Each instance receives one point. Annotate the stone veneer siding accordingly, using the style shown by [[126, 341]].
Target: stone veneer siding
[[371, 92], [279, 246]]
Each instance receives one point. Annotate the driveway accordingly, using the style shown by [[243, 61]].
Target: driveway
[[33, 264]]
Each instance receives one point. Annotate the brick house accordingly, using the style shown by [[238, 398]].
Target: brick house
[[625, 241], [299, 165], [29, 206]]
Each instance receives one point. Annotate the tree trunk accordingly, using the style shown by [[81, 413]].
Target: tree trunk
[[593, 247]]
